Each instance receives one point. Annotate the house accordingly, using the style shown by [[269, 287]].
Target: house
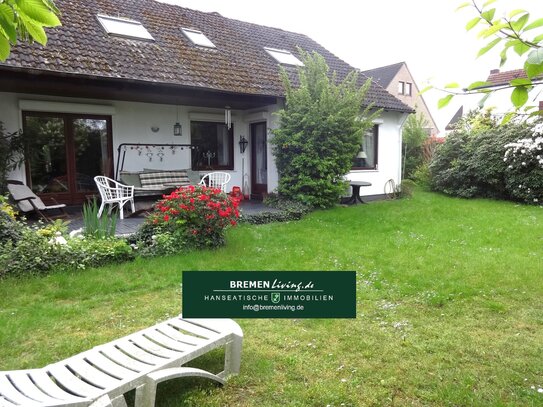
[[499, 101], [135, 84], [398, 81], [454, 120]]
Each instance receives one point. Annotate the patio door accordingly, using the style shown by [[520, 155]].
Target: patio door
[[259, 160], [65, 153]]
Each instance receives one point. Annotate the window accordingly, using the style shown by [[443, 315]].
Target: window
[[407, 89], [283, 56], [404, 88], [198, 38], [215, 146], [124, 27], [366, 158]]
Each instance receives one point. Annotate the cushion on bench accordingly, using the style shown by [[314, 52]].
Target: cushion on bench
[[158, 179], [130, 178]]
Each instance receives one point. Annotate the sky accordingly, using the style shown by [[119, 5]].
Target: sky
[[429, 35]]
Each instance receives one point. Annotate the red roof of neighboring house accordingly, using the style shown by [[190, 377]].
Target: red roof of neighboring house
[[497, 78]]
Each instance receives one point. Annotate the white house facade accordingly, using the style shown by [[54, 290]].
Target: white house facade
[[99, 112]]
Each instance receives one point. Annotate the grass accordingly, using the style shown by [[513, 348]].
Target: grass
[[449, 309]]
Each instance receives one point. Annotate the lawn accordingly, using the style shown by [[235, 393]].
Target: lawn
[[450, 309]]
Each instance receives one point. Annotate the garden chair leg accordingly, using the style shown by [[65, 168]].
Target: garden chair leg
[[146, 394]]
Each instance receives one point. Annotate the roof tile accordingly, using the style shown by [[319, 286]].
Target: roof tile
[[239, 64]]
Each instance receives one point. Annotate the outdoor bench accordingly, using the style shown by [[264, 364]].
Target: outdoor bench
[[101, 376], [151, 182]]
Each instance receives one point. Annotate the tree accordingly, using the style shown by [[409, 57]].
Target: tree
[[516, 31], [25, 20], [413, 137], [321, 130]]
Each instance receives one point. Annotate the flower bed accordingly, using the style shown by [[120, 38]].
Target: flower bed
[[191, 217]]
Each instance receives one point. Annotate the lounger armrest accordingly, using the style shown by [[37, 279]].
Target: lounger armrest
[[26, 198], [57, 203], [30, 199]]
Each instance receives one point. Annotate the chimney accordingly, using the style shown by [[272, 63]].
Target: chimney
[[494, 71]]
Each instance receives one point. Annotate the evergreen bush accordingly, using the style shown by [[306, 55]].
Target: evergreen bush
[[321, 129]]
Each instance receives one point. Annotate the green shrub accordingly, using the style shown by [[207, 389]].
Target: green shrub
[[9, 227], [321, 130], [192, 217], [31, 254], [153, 240], [524, 173], [286, 210], [470, 163], [407, 188], [414, 136], [422, 176], [42, 249], [93, 252]]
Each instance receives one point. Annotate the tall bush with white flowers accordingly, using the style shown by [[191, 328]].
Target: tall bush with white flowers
[[524, 174]]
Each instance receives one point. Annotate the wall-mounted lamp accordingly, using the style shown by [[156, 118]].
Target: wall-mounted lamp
[[177, 125], [155, 129], [242, 144]]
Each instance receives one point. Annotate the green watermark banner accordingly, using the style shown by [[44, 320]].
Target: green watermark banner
[[269, 294]]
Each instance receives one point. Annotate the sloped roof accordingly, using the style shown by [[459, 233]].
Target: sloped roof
[[497, 78], [384, 74], [238, 64], [455, 119]]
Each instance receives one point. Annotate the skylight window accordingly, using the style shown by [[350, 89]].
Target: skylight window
[[284, 57], [198, 38], [124, 27]]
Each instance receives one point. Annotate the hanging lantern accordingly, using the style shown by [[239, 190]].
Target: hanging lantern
[[177, 125], [177, 129]]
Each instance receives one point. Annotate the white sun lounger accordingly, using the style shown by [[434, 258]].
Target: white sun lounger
[[101, 376]]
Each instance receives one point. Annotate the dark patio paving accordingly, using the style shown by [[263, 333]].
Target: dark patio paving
[[130, 223]]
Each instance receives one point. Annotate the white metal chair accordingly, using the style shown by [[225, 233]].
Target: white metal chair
[[114, 193], [216, 180]]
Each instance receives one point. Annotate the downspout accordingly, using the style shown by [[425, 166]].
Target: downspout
[[403, 118]]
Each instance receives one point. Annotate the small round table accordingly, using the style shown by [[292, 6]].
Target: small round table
[[355, 197]]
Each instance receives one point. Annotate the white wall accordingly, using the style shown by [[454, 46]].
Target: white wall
[[132, 123], [389, 155]]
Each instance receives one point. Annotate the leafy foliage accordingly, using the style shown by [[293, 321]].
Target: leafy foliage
[[191, 217], [93, 226], [42, 249], [321, 130], [524, 175], [285, 211], [517, 31], [470, 162], [414, 137], [25, 20]]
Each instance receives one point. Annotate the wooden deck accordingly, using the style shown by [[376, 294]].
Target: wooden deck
[[131, 223]]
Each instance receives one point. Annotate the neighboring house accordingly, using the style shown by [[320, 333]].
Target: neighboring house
[[398, 81], [127, 71], [499, 101], [454, 120]]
